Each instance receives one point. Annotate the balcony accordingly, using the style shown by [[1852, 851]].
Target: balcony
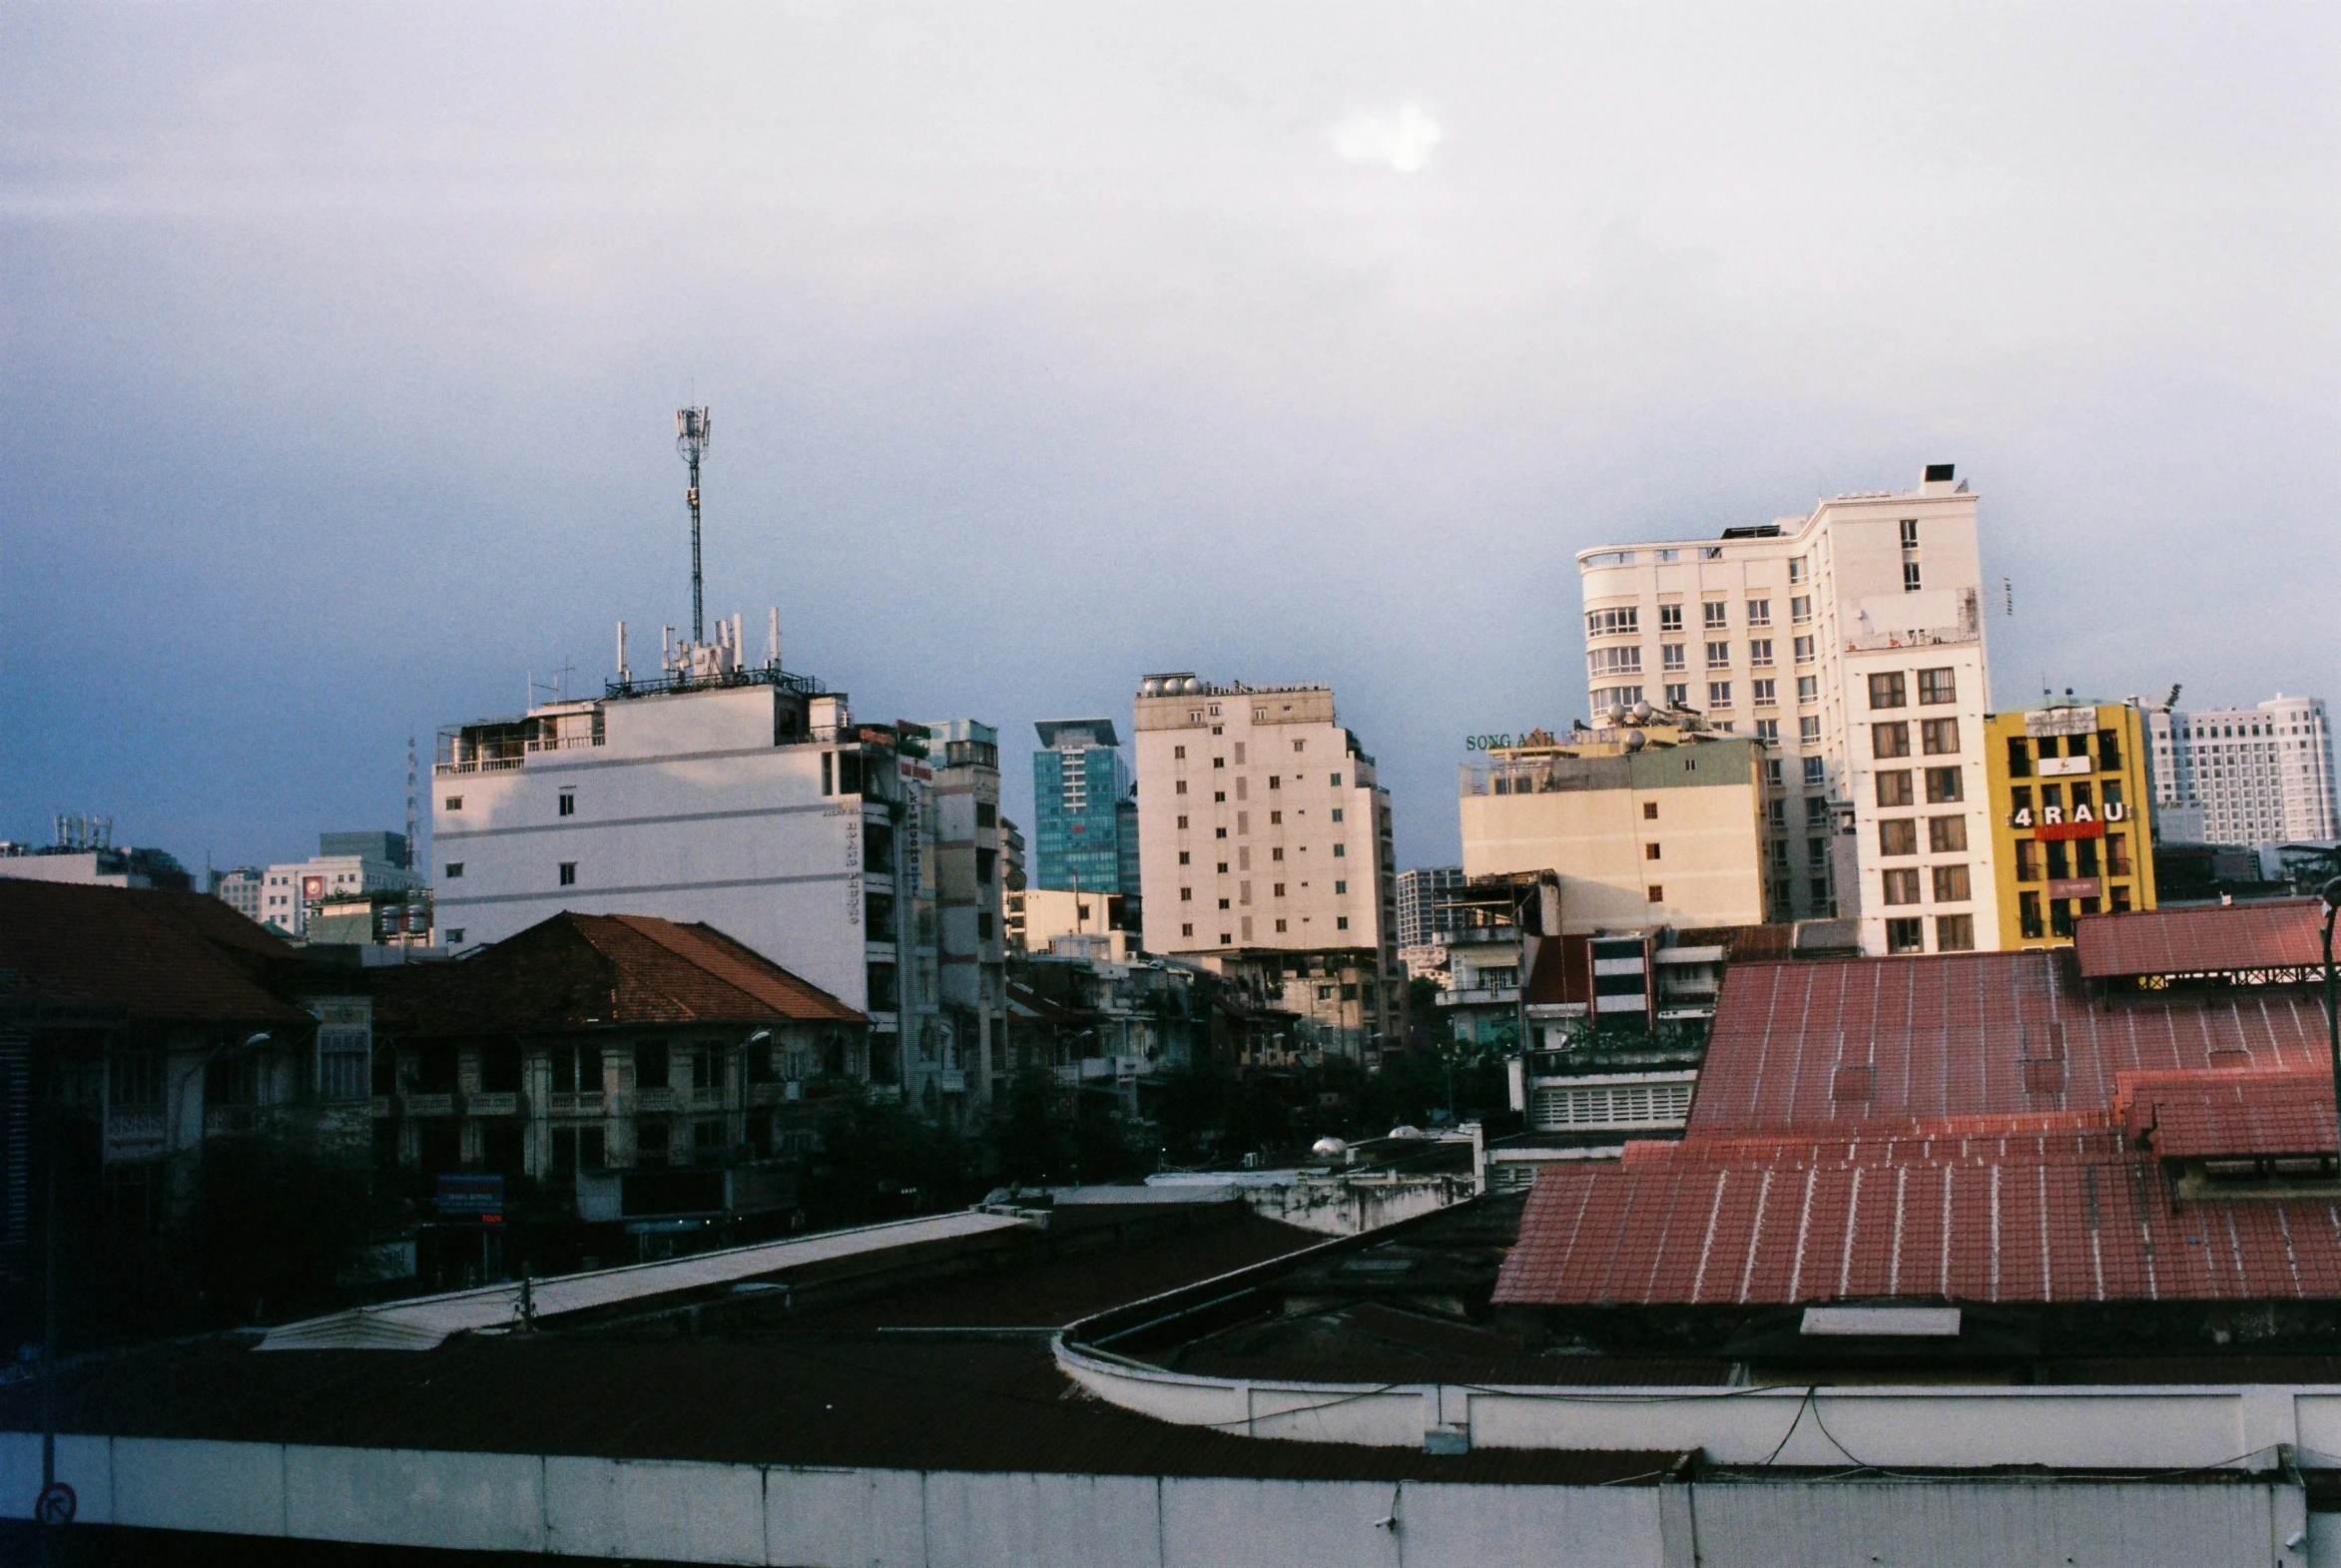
[[135, 1126], [649, 1101], [229, 1119], [503, 1103], [429, 1104], [1482, 996], [493, 765], [575, 1103], [708, 1099]]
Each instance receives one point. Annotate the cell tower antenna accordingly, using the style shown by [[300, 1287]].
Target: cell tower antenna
[[411, 848], [691, 428]]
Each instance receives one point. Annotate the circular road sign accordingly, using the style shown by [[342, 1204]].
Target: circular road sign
[[56, 1504]]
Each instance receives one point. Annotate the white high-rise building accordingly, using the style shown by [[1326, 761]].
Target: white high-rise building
[[1850, 643], [2259, 776], [1421, 915], [1265, 845], [742, 795]]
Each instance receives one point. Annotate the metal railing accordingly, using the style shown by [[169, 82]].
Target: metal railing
[[496, 1103], [490, 765]]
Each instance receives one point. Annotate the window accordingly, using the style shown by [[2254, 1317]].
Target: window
[[1759, 612], [1340, 922], [2019, 758], [1279, 893], [1767, 730], [1894, 787], [1718, 654], [1337, 780], [1182, 825], [1950, 885], [1955, 933], [1710, 552], [1886, 690], [1899, 836], [987, 815], [1796, 568], [1337, 814], [1219, 761], [1718, 694], [1765, 694], [1909, 577], [1219, 797], [1901, 886], [1711, 614], [1276, 853], [454, 869], [1907, 935], [2028, 916], [1800, 609], [1946, 784], [1816, 813], [1276, 780], [1817, 854], [1678, 696], [1816, 772], [1945, 834], [1938, 685], [1910, 533], [1341, 888], [1808, 730], [1186, 894], [1223, 903], [1219, 833], [1671, 654], [1179, 753], [1623, 622], [1649, 811], [1187, 930], [1274, 817], [1939, 736], [1890, 739], [1222, 866], [1804, 655], [1655, 893], [568, 807], [1670, 618], [1760, 651], [1649, 851], [1183, 857], [455, 802], [456, 936], [1340, 851], [1178, 786]]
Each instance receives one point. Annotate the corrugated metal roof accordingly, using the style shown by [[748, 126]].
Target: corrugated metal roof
[[2020, 1230], [1847, 1044], [425, 1322], [2264, 934]]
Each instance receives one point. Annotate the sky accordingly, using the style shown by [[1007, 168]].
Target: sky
[[1051, 346]]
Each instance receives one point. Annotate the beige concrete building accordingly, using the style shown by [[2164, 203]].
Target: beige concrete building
[[1265, 844], [1849, 645], [1656, 826]]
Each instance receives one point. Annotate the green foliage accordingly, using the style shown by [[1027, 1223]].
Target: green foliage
[[879, 1161], [1035, 1143], [277, 1218]]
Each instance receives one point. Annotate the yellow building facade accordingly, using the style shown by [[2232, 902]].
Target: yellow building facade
[[2071, 807]]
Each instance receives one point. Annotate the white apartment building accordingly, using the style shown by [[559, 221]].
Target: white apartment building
[[744, 797], [1421, 914], [2258, 776], [1850, 644], [346, 866], [1265, 844], [971, 936]]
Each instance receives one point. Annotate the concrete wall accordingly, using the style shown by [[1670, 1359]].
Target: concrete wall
[[1957, 1428], [718, 1514], [680, 1511]]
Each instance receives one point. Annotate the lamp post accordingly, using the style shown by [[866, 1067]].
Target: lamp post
[[2330, 896]]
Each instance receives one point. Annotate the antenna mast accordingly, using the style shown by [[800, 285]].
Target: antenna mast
[[691, 428], [413, 852]]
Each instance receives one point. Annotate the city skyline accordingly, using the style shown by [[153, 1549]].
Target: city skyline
[[342, 405]]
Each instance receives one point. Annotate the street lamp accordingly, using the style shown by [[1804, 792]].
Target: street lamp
[[2330, 896]]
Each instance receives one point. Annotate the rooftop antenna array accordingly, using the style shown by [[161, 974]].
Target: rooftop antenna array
[[410, 818], [692, 429]]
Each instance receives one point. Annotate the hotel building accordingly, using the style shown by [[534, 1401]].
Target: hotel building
[[1849, 645], [2260, 775], [2071, 833]]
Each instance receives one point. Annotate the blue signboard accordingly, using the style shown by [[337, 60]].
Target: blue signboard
[[471, 1197]]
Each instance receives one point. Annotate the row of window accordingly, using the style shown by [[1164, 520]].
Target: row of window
[[1888, 688], [1951, 884], [564, 872], [2062, 911], [1899, 836], [1944, 784], [1937, 738], [2058, 858], [1244, 785], [1340, 922], [1953, 933]]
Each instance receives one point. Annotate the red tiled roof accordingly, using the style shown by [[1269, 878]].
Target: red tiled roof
[[2275, 934], [579, 969], [2187, 1115], [1690, 1232], [1965, 1034], [163, 956]]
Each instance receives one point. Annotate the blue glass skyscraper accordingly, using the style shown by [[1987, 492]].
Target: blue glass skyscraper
[[1085, 821]]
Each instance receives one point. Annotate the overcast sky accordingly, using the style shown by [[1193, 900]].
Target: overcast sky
[[1051, 346]]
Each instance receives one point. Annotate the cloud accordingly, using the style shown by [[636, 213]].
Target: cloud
[[1403, 141]]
